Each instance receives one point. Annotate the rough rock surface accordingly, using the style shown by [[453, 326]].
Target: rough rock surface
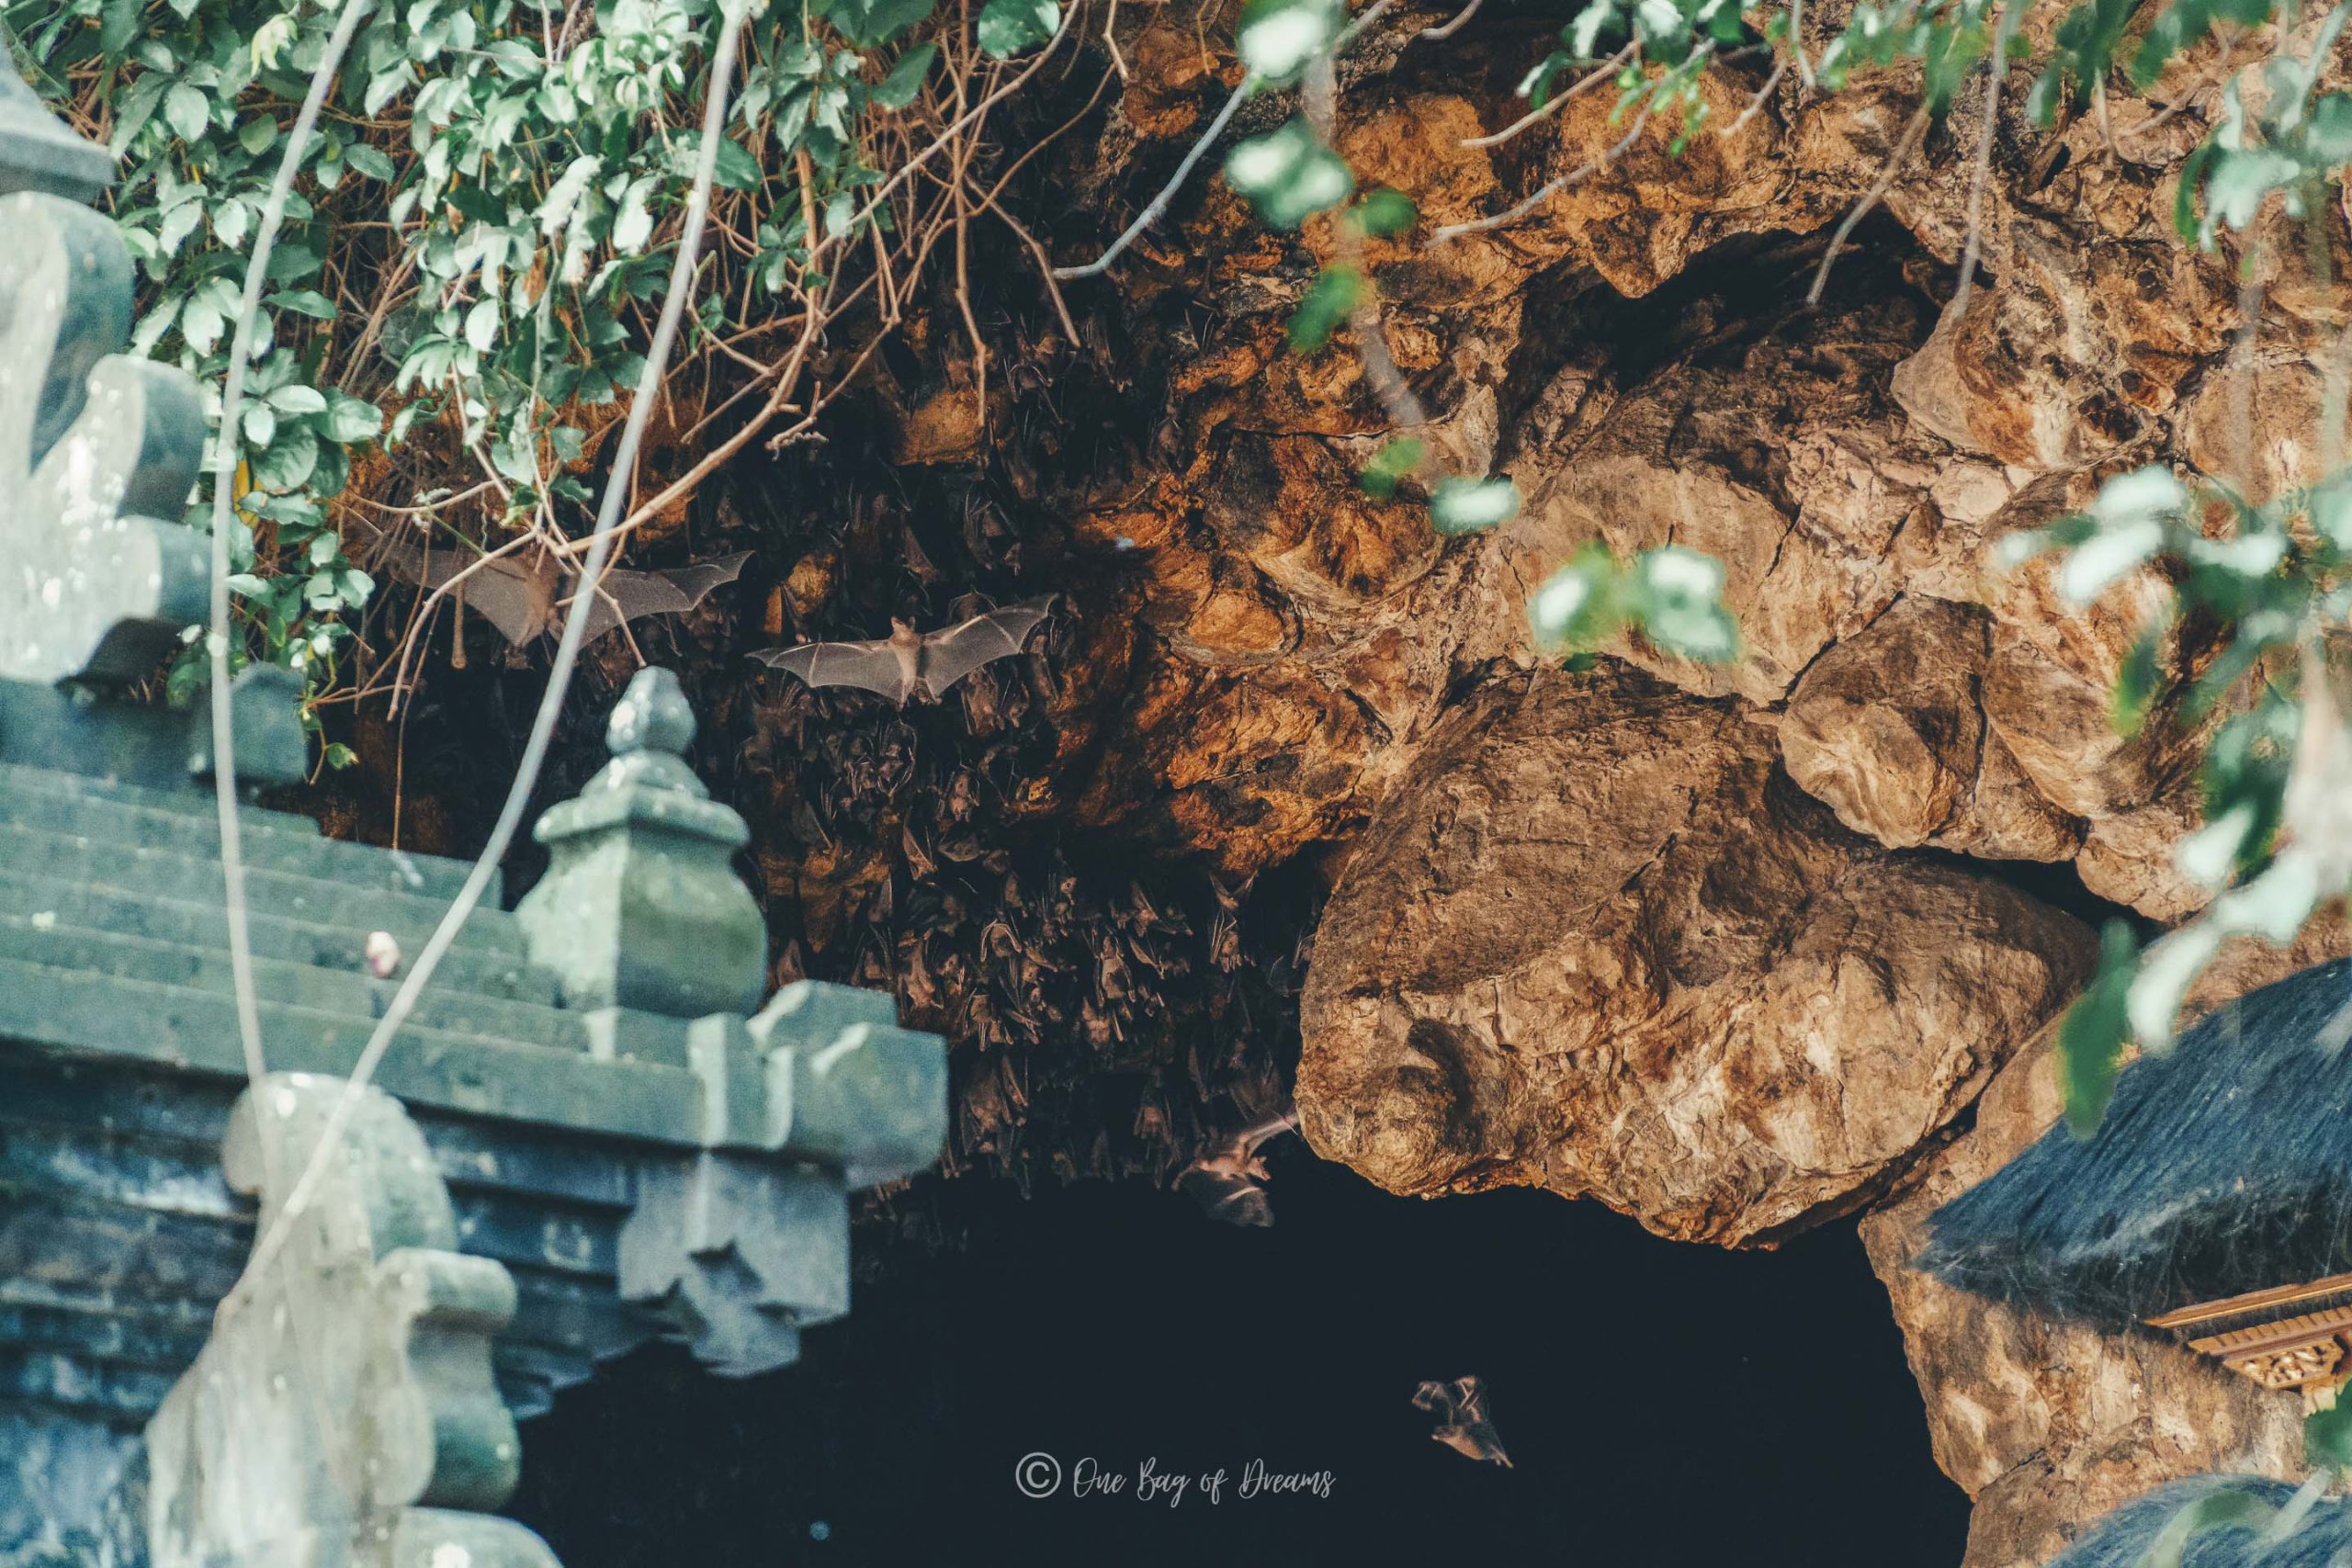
[[2046, 1424], [1599, 944]]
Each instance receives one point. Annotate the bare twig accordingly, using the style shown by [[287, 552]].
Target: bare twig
[[1997, 76], [2242, 370], [1574, 177], [1606, 71], [1756, 101], [224, 480], [1158, 206], [1909, 140], [1461, 20]]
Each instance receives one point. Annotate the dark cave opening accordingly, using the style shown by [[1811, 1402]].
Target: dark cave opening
[[1662, 1403]]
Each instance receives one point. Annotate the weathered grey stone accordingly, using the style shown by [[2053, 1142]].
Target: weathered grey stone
[[345, 1397], [349, 1404], [737, 1256], [95, 446], [40, 153], [846, 1087], [641, 907]]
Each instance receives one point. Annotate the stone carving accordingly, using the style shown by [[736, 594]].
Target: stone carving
[[343, 1410], [2295, 1366], [95, 446], [37, 153], [641, 907], [738, 1252]]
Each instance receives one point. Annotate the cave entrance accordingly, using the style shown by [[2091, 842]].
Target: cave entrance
[[1664, 1404]]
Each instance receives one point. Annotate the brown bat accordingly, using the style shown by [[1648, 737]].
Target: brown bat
[[909, 661], [1227, 1180], [528, 595], [1461, 1424]]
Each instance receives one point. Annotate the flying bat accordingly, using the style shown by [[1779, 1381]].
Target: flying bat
[[1461, 1424], [1227, 1180], [909, 661], [527, 595]]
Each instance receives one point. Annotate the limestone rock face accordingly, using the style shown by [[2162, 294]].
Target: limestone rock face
[[1888, 728], [1600, 943]]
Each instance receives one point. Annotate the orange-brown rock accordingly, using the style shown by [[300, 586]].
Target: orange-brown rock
[[1598, 943], [1888, 728]]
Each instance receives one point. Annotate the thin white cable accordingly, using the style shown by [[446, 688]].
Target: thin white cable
[[566, 655], [305, 1328], [224, 474]]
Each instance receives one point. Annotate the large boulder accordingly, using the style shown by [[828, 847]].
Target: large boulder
[[1600, 943]]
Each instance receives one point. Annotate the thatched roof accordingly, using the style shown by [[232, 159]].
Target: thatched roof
[[2122, 1539], [2223, 1166]]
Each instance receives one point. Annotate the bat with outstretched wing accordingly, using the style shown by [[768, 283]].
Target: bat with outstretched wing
[[1462, 1421], [909, 661], [528, 596], [1228, 1179]]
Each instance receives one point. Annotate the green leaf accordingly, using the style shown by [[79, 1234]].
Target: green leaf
[[1008, 27], [2140, 679], [302, 302], [289, 462], [185, 112], [201, 323], [1390, 464], [338, 755], [870, 24], [635, 224], [1335, 293], [1385, 212], [732, 168], [2091, 1036], [119, 25], [1288, 175], [1677, 598], [297, 399], [2327, 1437], [179, 224], [1276, 39], [367, 159], [1460, 505], [256, 134], [904, 83], [1576, 609], [351, 418], [483, 325]]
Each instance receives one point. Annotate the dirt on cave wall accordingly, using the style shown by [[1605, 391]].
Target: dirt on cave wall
[[1284, 794]]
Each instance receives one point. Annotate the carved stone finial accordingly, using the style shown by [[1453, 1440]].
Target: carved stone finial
[[652, 715], [343, 1410], [641, 907]]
